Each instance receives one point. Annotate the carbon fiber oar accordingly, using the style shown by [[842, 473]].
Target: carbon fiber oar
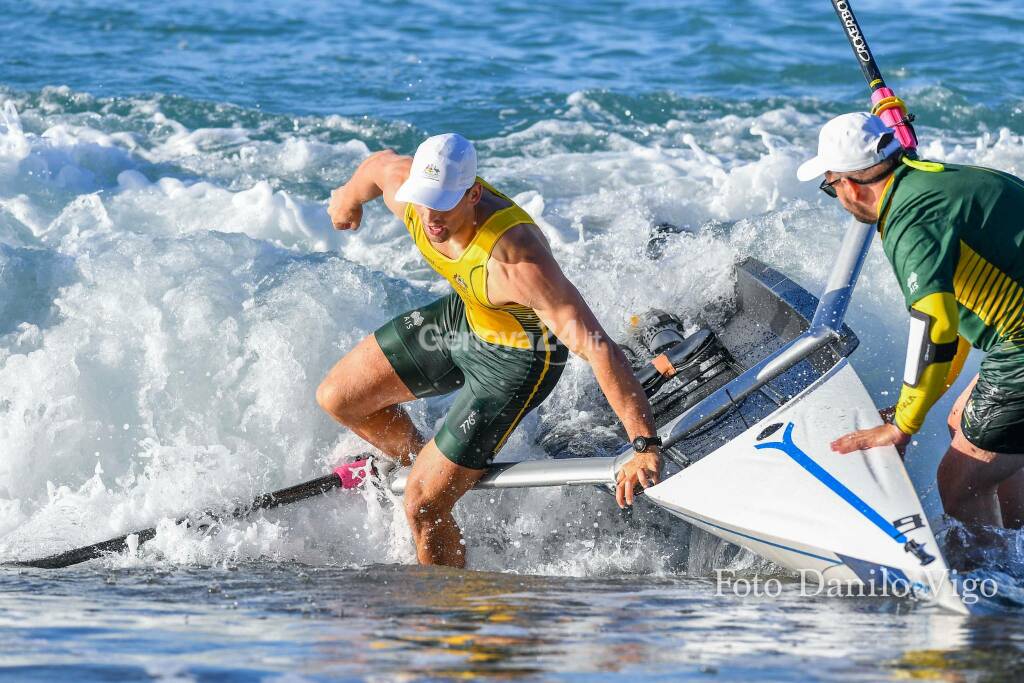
[[349, 476], [885, 104]]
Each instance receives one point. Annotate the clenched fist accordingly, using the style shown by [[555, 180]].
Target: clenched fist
[[345, 214]]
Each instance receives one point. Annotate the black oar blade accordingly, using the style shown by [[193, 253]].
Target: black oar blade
[[265, 501], [89, 552]]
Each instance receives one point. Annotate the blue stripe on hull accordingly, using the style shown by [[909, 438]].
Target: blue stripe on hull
[[788, 447]]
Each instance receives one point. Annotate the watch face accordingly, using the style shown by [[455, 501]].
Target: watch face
[[639, 444]]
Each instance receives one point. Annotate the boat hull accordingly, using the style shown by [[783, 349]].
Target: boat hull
[[779, 491]]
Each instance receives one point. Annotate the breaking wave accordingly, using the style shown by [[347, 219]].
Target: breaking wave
[[171, 293]]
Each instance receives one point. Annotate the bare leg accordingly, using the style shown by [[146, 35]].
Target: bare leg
[[957, 411], [362, 392], [1011, 500], [435, 483], [970, 477]]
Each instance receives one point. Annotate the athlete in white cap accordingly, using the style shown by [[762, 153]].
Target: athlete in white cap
[[500, 338], [954, 236]]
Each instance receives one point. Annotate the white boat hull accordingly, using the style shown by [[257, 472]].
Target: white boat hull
[[850, 519]]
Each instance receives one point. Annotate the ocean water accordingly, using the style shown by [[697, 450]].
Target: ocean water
[[171, 293]]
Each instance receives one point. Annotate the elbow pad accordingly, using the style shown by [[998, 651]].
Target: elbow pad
[[931, 350], [923, 350]]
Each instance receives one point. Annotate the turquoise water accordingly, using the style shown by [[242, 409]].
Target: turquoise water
[[171, 292]]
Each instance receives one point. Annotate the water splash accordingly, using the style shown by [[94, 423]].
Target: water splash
[[172, 294]]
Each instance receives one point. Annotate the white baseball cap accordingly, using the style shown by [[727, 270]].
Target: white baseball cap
[[442, 170], [850, 142]]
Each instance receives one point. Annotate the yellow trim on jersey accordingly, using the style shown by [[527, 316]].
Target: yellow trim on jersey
[[988, 292], [529, 400], [883, 200]]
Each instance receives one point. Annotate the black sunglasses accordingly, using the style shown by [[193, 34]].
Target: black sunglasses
[[829, 187]]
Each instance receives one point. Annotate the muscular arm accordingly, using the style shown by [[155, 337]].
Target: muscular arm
[[380, 175], [522, 270]]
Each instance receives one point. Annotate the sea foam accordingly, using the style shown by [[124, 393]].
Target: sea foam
[[171, 297]]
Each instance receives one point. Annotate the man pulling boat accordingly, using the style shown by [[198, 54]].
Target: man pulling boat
[[955, 239], [500, 338]]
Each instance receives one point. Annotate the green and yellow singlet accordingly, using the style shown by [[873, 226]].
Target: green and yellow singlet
[[515, 325]]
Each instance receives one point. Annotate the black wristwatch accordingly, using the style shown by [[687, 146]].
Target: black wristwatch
[[642, 443]]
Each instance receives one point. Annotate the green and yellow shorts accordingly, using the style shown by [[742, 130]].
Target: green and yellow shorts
[[993, 418], [435, 352]]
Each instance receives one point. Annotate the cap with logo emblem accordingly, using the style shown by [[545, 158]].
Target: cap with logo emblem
[[442, 170]]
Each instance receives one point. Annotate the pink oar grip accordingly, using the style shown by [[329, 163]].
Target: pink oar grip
[[353, 474], [893, 117]]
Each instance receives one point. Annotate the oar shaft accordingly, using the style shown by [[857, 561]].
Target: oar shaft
[[264, 501], [567, 472], [885, 104], [537, 473], [292, 494], [859, 44]]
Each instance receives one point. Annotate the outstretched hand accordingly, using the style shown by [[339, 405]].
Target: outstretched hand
[[644, 469], [883, 435]]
